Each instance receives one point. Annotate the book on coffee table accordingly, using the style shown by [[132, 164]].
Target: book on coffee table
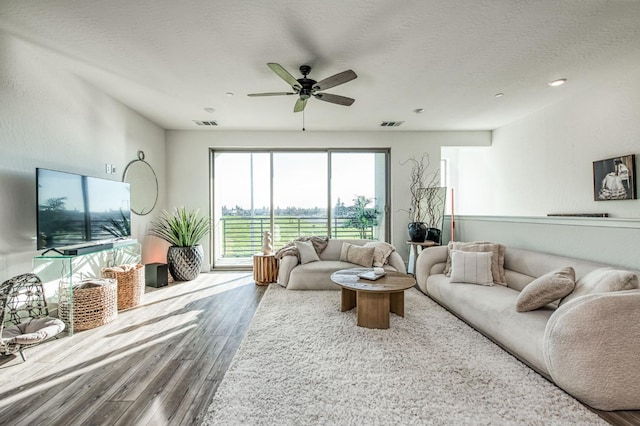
[[370, 275]]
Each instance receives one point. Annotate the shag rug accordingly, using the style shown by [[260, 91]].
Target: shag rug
[[305, 362]]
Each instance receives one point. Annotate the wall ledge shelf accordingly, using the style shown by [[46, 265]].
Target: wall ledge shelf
[[604, 222]]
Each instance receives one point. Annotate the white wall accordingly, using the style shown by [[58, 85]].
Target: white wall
[[50, 118], [609, 241], [543, 163], [188, 160]]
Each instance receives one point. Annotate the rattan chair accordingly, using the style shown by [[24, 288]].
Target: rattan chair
[[25, 316]]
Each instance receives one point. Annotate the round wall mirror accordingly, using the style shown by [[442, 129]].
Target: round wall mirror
[[144, 185]]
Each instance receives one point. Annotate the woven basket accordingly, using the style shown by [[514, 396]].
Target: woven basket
[[95, 303], [130, 284]]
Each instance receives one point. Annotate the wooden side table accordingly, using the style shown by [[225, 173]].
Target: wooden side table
[[414, 253], [265, 269]]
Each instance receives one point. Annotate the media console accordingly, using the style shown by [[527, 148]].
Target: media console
[[80, 249], [59, 269]]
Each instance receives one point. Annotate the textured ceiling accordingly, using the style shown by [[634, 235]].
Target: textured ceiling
[[169, 60]]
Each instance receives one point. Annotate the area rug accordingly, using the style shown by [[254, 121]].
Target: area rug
[[304, 362]]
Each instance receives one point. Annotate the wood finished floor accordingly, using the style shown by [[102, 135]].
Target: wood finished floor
[[157, 364]]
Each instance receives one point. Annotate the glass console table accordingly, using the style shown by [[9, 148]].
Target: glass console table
[[59, 272]]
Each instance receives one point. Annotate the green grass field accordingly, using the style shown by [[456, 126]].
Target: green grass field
[[242, 236]]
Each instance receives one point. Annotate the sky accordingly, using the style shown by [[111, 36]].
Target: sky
[[299, 178]]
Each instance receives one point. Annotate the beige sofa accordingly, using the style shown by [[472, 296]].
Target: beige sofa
[[590, 346], [317, 275]]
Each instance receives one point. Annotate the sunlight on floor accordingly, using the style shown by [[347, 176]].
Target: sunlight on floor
[[165, 315], [34, 389]]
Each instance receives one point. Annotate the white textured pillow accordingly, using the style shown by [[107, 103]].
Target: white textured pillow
[[603, 280], [381, 252], [471, 267], [359, 255], [497, 261], [545, 289], [34, 331], [307, 252]]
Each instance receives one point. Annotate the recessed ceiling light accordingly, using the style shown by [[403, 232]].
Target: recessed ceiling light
[[558, 82], [418, 110], [210, 110], [499, 95], [229, 94]]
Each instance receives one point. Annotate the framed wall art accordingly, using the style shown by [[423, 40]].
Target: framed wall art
[[615, 178]]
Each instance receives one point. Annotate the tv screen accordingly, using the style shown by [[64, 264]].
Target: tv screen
[[75, 209]]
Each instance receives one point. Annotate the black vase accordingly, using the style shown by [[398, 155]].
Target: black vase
[[434, 234], [185, 262], [417, 232]]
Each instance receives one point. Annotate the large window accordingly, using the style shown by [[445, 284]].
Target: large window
[[336, 193], [358, 195], [299, 195]]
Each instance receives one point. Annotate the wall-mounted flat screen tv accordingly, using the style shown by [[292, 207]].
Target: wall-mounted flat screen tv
[[75, 209]]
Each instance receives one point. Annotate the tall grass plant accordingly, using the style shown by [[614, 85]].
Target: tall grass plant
[[181, 228]]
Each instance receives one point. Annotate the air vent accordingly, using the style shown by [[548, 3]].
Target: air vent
[[206, 123], [391, 123]]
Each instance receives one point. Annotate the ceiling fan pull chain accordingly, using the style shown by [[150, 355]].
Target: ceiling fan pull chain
[[303, 129]]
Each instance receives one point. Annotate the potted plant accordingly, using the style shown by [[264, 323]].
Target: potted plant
[[361, 217], [183, 230], [423, 200], [434, 199]]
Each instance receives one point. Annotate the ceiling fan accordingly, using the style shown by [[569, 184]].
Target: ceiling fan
[[305, 87]]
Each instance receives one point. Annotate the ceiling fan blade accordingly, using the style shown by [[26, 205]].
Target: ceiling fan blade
[[335, 99], [284, 74], [271, 94], [335, 80], [300, 104]]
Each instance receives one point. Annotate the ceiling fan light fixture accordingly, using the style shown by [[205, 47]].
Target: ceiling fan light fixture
[[209, 110], [558, 82], [306, 87], [499, 95], [418, 110]]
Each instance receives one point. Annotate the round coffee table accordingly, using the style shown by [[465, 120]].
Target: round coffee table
[[374, 299]]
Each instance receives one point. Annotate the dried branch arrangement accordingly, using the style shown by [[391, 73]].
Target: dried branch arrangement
[[422, 202], [433, 201]]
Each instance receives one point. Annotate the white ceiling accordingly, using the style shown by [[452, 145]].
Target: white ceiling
[[170, 59]]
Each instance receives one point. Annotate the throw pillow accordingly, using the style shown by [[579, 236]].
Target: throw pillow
[[545, 289], [381, 252], [471, 267], [289, 249], [33, 331], [497, 265], [307, 252], [359, 255], [603, 280]]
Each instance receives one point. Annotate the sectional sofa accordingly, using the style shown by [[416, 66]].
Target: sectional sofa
[[316, 275], [589, 345]]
